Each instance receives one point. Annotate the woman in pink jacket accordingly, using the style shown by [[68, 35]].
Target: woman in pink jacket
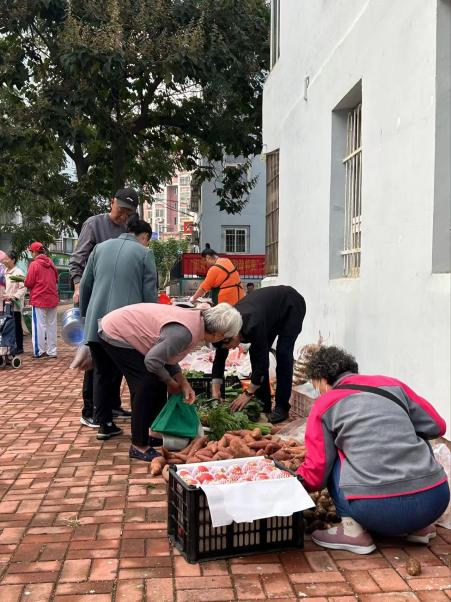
[[41, 280], [367, 440]]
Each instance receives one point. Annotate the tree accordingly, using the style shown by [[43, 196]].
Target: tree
[[167, 253], [126, 92]]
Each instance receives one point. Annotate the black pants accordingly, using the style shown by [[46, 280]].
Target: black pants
[[284, 373], [148, 394], [19, 331], [91, 377]]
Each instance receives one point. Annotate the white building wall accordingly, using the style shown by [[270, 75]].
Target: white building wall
[[396, 317]]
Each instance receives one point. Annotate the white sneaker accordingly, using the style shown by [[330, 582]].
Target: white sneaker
[[422, 535]]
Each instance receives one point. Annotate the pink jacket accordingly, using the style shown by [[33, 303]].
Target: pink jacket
[[382, 447]]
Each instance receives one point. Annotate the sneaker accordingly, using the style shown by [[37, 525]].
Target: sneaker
[[51, 357], [422, 535], [278, 415], [121, 413], [155, 441], [89, 422], [108, 430], [146, 456], [335, 539]]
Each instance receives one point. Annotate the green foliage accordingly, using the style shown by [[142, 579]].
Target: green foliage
[[167, 253], [125, 92]]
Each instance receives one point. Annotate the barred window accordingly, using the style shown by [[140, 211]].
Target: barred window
[[272, 213], [353, 194], [235, 239]]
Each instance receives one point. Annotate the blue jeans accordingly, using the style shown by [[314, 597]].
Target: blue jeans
[[391, 515]]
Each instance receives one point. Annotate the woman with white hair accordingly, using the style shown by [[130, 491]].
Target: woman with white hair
[[146, 341]]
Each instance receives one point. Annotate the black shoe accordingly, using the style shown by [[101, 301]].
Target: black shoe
[[278, 415], [146, 456], [19, 352], [108, 430], [121, 413], [88, 421]]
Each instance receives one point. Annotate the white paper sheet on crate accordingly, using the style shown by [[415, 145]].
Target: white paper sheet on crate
[[251, 500]]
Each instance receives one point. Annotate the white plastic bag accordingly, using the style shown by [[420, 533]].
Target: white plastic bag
[[443, 456], [82, 359], [294, 430]]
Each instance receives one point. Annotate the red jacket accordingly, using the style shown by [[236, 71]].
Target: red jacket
[[42, 278]]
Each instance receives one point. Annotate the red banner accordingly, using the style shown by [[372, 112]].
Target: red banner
[[248, 266]]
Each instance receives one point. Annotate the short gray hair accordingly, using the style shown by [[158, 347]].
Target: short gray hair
[[223, 318]]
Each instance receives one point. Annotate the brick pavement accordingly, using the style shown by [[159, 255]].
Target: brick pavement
[[78, 522]]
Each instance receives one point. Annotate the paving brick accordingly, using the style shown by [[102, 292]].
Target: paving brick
[[436, 596], [10, 593], [256, 569], [37, 592], [320, 561], [85, 587], [361, 582], [160, 590], [323, 589], [429, 583], [249, 587], [185, 569], [82, 598], [214, 582], [276, 585], [75, 570], [389, 597], [389, 580], [362, 564], [130, 591], [104, 569], [202, 595], [325, 577]]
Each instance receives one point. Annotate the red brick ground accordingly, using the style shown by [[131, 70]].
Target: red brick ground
[[78, 522]]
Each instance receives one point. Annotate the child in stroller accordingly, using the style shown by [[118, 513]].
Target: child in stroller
[[8, 338]]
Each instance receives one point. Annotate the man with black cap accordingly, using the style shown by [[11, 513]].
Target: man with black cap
[[95, 230]]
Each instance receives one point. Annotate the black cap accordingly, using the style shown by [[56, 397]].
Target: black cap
[[127, 197]]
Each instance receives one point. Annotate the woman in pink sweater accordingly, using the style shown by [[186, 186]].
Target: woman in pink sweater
[[146, 341]]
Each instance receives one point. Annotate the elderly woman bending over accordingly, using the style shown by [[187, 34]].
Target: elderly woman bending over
[[146, 341]]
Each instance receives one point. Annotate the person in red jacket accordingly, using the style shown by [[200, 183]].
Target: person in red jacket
[[41, 280]]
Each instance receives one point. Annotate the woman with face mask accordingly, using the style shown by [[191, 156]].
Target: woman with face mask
[[367, 440]]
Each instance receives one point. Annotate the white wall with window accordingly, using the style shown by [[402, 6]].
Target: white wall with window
[[358, 106]]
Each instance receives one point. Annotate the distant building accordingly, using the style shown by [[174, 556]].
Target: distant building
[[239, 233], [170, 215]]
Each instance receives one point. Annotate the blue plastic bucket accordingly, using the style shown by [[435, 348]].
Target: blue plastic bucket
[[72, 327]]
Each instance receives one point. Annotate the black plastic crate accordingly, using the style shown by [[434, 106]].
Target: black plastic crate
[[202, 384], [191, 531]]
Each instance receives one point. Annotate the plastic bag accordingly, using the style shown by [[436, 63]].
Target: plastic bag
[[177, 418], [443, 456], [294, 430], [82, 359]]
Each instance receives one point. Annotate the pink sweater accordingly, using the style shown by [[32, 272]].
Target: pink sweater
[[140, 325]]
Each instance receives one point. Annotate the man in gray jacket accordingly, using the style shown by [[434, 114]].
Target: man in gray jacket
[[95, 230]]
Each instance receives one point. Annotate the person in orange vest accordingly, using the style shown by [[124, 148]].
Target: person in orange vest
[[222, 280]]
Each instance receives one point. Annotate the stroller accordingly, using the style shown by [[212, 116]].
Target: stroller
[[8, 338]]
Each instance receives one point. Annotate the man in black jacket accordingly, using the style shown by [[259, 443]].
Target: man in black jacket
[[274, 311]]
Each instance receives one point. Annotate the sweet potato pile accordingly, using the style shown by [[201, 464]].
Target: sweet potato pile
[[324, 515], [235, 444]]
